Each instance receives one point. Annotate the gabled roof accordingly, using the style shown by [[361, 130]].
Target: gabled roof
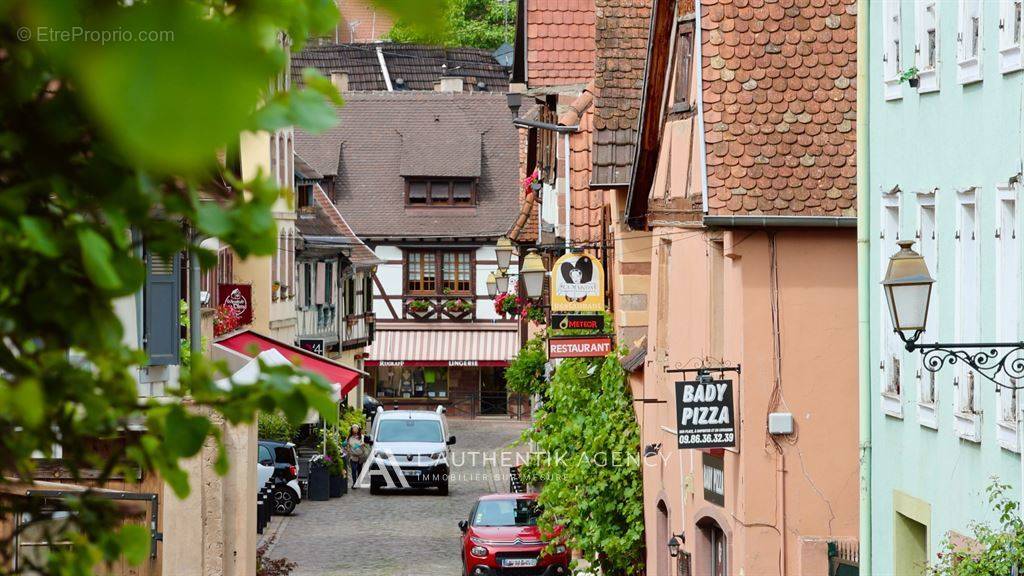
[[621, 49], [418, 66], [325, 224], [363, 154], [780, 113]]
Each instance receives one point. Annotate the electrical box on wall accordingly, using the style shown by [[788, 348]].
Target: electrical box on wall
[[780, 423]]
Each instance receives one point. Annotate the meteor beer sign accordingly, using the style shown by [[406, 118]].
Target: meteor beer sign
[[704, 413]]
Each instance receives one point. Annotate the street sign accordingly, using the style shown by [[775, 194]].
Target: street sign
[[714, 478], [704, 413], [577, 284], [579, 347], [593, 322], [314, 345]]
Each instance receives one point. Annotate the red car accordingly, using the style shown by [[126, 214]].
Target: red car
[[501, 538]]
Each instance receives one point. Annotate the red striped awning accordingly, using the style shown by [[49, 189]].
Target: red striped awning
[[437, 346], [251, 343]]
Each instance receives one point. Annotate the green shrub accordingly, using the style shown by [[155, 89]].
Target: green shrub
[[351, 417], [332, 437], [998, 547], [525, 374], [274, 426]]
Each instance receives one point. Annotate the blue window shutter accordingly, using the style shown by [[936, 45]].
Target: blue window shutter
[[162, 294]]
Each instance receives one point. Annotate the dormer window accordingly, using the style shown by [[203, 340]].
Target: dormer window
[[440, 192]]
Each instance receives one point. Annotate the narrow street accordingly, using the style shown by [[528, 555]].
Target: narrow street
[[399, 534]]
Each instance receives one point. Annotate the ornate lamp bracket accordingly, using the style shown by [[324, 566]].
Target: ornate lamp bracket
[[1001, 363]]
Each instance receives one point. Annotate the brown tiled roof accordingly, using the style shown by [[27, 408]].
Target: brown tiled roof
[[363, 153], [325, 221], [560, 42], [621, 43], [418, 66], [779, 106], [422, 157]]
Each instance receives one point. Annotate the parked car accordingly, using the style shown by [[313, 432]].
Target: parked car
[[280, 458], [370, 405], [412, 447], [501, 537]]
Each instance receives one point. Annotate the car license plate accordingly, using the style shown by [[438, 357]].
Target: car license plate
[[518, 562], [415, 473]]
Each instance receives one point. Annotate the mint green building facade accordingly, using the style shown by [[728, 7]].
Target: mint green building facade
[[944, 165]]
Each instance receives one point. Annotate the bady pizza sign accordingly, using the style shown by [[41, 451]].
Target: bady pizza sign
[[577, 284], [705, 413]]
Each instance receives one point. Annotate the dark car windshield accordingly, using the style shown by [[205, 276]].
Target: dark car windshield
[[510, 512], [409, 430]]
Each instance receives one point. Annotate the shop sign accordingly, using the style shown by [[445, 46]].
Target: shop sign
[[577, 284], [440, 363], [593, 322], [391, 363], [314, 345], [704, 413], [237, 297], [714, 479], [579, 347], [463, 363]]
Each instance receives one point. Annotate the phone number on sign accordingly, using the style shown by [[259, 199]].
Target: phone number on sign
[[707, 438]]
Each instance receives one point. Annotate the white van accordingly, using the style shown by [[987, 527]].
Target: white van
[[409, 449]]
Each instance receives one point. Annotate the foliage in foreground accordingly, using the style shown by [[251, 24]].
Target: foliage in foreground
[[998, 547], [587, 446], [477, 23], [115, 129], [525, 374]]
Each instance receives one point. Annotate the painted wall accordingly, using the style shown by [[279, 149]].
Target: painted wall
[[930, 147], [815, 495]]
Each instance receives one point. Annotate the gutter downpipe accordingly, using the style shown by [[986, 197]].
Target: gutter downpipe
[[195, 316], [698, 57], [864, 284], [568, 197], [384, 69]]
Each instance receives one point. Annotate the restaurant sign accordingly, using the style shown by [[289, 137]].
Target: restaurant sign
[[714, 478], [577, 284], [579, 347], [704, 413], [594, 322], [238, 299]]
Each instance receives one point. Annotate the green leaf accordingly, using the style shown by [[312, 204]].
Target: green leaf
[[136, 543], [184, 433], [96, 256], [28, 401], [40, 235]]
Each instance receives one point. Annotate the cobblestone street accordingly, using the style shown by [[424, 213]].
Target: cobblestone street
[[399, 534]]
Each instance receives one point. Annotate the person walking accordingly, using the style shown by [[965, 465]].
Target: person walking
[[356, 449]]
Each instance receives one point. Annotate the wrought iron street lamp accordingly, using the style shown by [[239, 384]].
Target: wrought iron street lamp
[[908, 290], [492, 285], [503, 253], [533, 273], [500, 282]]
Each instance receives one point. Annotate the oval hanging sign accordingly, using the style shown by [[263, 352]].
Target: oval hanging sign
[[577, 284]]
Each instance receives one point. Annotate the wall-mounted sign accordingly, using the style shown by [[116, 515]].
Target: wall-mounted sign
[[314, 345], [440, 363], [714, 479], [463, 363], [593, 322], [237, 297], [704, 413], [579, 347], [577, 284]]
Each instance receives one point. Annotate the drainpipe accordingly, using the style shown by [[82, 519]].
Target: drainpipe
[[864, 284], [698, 52], [384, 69], [194, 300], [568, 197]]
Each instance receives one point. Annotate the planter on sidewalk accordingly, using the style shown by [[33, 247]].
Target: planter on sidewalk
[[337, 484], [319, 480]]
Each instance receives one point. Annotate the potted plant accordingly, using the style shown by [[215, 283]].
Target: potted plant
[[331, 444], [911, 76], [419, 305], [277, 290], [319, 478]]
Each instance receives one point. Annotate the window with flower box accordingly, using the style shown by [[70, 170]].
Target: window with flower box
[[439, 272]]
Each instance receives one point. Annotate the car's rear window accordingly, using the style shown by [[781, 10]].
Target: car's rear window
[[409, 430], [284, 455], [509, 512]]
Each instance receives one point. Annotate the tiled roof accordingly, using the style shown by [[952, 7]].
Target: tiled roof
[[419, 67], [326, 221], [621, 43], [779, 106], [422, 157], [560, 42], [363, 153]]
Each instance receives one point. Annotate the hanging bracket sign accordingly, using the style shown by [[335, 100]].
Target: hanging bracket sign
[[705, 413], [577, 284]]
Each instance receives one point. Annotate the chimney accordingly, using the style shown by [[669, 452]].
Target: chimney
[[340, 80], [448, 84]]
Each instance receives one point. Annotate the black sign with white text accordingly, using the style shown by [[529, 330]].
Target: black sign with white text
[[714, 478], [314, 345], [704, 413], [593, 322]]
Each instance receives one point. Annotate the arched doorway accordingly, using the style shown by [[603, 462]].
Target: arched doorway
[[712, 549], [661, 540]]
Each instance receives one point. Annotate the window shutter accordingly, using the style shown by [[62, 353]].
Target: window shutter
[[320, 285], [161, 322], [368, 294]]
